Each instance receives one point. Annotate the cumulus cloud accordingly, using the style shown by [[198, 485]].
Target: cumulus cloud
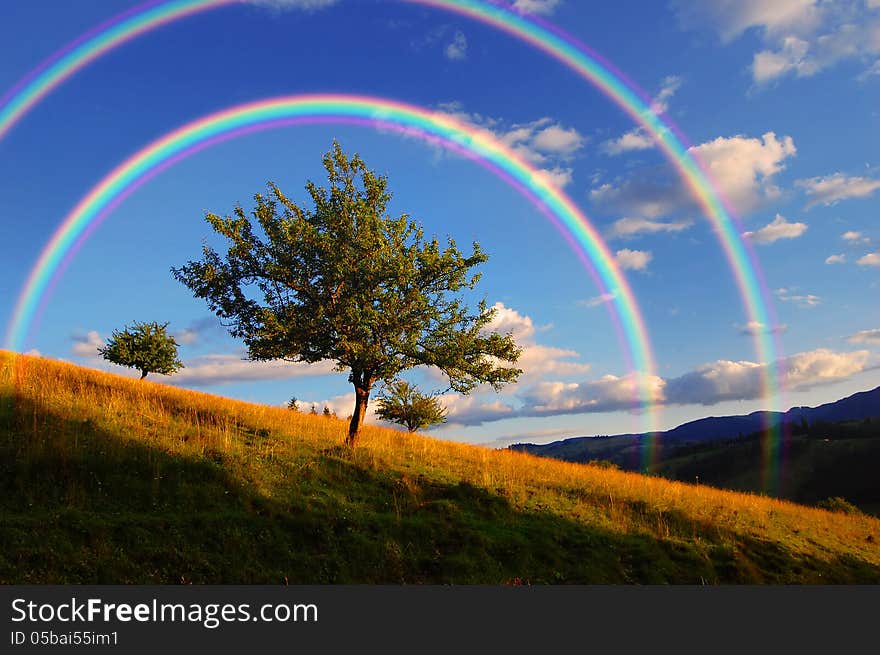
[[870, 337], [86, 345], [708, 384], [632, 227], [852, 237], [543, 142], [635, 139], [633, 260], [725, 380], [831, 189], [456, 50], [742, 168], [228, 368], [472, 410], [798, 37], [545, 7], [871, 259], [835, 259], [730, 19], [755, 328], [777, 229], [198, 331], [537, 359], [607, 394]]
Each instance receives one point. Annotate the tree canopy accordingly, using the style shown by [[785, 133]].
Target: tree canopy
[[146, 347], [403, 403], [346, 282]]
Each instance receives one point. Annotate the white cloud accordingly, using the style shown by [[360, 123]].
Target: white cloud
[[872, 259], [456, 50], [668, 88], [471, 410], [835, 259], [635, 139], [742, 168], [853, 237], [546, 7], [871, 337], [536, 359], [730, 18], [802, 299], [832, 188], [557, 176], [777, 229], [601, 299], [799, 37], [728, 380], [607, 394], [543, 142], [228, 368], [632, 227], [87, 345], [755, 328], [633, 260], [285, 5]]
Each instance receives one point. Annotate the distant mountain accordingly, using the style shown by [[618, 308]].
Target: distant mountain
[[862, 405]]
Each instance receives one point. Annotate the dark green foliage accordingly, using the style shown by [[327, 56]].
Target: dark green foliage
[[404, 404], [838, 504], [293, 405], [344, 281], [146, 347]]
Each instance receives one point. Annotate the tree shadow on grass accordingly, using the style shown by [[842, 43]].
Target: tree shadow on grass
[[82, 505]]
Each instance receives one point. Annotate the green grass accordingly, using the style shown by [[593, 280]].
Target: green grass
[[109, 480]]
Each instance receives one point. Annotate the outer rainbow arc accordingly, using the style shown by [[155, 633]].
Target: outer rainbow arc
[[549, 39], [477, 144]]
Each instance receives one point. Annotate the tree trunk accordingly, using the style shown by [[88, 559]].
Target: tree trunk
[[143, 374], [361, 398]]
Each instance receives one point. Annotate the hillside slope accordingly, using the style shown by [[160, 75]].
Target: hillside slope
[[104, 479]]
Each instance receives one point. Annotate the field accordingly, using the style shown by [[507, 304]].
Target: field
[[106, 479]]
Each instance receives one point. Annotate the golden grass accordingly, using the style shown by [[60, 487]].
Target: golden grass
[[189, 423]]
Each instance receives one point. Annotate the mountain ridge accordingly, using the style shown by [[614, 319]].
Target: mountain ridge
[[858, 406]]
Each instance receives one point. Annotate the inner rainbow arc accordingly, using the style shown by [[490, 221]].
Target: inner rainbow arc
[[476, 143]]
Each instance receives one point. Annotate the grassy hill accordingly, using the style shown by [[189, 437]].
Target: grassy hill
[[825, 460], [104, 479]]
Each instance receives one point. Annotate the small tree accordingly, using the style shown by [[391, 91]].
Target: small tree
[[146, 347], [345, 282], [293, 404], [404, 404]]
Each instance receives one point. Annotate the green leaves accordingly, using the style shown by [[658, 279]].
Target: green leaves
[[146, 347], [346, 282], [405, 405]]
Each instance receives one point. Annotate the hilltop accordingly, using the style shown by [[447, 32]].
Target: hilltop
[[105, 479]]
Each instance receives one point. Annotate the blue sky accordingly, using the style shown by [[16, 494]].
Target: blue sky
[[780, 97]]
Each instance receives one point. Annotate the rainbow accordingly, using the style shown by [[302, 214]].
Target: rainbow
[[545, 37], [475, 143]]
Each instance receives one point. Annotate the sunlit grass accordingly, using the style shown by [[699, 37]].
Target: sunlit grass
[[294, 462]]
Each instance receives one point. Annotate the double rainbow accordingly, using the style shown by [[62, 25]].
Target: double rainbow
[[543, 36]]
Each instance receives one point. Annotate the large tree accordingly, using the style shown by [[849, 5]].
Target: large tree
[[346, 282]]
